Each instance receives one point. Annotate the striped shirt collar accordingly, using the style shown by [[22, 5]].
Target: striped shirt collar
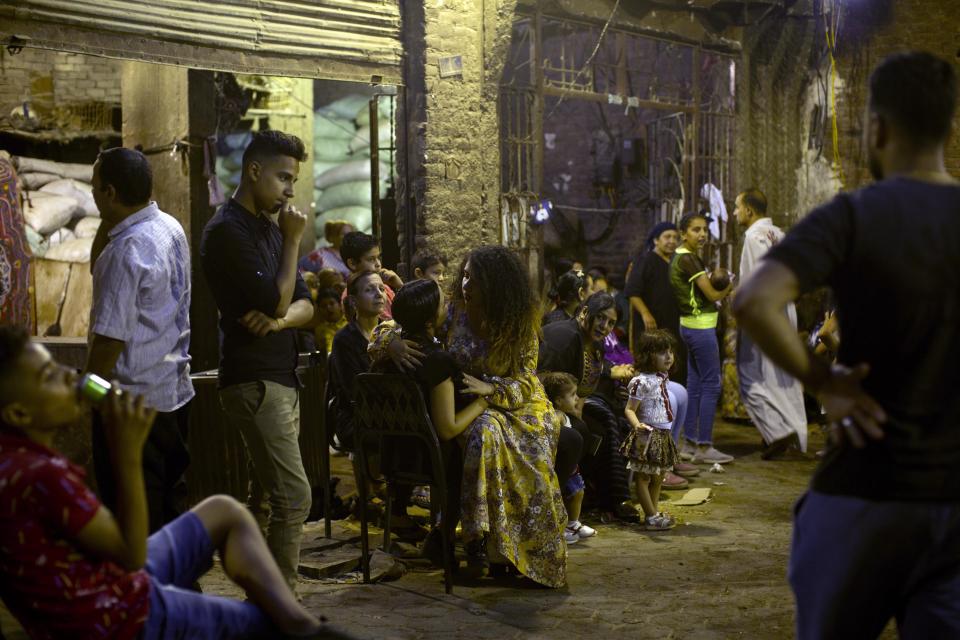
[[135, 218]]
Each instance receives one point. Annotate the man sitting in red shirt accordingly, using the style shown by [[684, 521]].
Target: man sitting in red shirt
[[69, 568]]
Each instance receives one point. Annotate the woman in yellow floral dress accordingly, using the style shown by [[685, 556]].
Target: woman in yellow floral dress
[[510, 497], [510, 493]]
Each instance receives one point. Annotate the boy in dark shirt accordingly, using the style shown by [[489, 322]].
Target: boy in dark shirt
[[878, 534], [250, 263], [361, 252]]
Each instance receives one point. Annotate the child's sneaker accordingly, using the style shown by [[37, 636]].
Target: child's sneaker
[[659, 522], [581, 530], [570, 536]]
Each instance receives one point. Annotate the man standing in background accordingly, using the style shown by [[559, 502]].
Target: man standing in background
[[140, 325], [773, 398]]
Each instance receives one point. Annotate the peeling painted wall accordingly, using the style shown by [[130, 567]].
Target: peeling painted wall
[[784, 76], [816, 179]]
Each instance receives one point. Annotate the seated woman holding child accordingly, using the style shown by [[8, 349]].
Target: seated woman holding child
[[510, 501]]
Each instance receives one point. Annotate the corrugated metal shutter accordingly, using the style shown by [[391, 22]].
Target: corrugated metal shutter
[[339, 39]]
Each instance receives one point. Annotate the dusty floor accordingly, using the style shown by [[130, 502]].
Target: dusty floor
[[719, 574]]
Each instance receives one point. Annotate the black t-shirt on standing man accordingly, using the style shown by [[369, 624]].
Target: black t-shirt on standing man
[[891, 253]]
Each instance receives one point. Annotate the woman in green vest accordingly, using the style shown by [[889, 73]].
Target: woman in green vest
[[698, 330]]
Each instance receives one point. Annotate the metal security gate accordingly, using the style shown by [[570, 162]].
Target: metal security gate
[[355, 40]]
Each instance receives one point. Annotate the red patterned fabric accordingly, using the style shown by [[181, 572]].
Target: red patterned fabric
[[52, 587], [15, 257]]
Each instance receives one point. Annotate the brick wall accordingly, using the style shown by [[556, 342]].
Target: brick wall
[[452, 138], [783, 77], [872, 31], [38, 75]]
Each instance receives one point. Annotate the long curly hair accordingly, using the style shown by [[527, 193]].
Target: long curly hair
[[510, 307]]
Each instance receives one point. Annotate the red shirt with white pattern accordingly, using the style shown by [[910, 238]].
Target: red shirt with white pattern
[[52, 587]]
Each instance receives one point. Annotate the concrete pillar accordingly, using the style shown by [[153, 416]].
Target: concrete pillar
[[450, 168], [297, 119], [160, 104]]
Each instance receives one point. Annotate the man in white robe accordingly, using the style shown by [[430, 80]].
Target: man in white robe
[[772, 398]]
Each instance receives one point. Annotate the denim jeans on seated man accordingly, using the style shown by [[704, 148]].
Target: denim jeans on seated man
[[177, 556]]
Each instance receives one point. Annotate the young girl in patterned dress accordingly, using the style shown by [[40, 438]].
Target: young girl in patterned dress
[[649, 449]]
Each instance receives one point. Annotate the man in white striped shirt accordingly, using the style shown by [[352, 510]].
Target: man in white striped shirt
[[140, 324]]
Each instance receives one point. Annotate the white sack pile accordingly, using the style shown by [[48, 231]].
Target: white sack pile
[[341, 167], [58, 206]]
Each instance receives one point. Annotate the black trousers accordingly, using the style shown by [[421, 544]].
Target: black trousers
[[606, 471], [165, 459], [569, 451]]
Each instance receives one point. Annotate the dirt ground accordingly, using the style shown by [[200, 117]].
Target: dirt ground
[[720, 574]]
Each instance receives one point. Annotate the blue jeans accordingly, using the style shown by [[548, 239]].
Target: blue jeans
[[678, 404], [703, 383], [177, 555], [856, 563]]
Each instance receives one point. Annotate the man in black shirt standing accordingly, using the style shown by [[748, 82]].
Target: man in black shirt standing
[[878, 533], [250, 263]]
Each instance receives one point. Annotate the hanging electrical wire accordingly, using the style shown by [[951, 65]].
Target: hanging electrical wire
[[831, 24], [586, 64]]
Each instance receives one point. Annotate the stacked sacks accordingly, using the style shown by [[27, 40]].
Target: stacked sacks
[[341, 148], [58, 207], [230, 159]]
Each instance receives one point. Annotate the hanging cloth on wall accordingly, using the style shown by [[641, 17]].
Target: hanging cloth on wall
[[16, 268], [214, 189], [718, 209]]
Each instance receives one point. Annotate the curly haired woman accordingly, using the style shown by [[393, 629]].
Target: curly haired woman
[[510, 497], [510, 490]]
